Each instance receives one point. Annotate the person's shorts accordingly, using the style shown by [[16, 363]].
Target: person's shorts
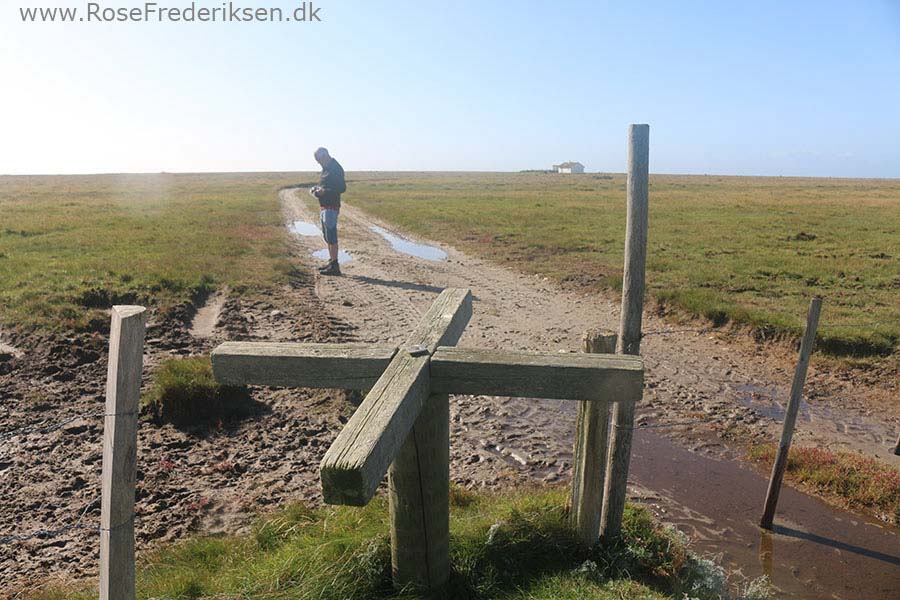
[[329, 217]]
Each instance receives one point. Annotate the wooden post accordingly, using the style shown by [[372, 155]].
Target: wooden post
[[123, 390], [419, 495], [630, 326], [591, 437], [790, 415]]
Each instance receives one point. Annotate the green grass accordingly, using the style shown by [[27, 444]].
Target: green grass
[[185, 392], [746, 250], [850, 479], [510, 546], [71, 246]]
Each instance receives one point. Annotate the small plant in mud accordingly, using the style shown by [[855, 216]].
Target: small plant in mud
[[853, 479], [185, 393]]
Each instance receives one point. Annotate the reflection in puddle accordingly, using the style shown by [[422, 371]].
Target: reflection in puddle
[[407, 247], [304, 228], [322, 254]]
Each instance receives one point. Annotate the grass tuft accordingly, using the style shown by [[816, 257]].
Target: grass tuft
[[185, 393]]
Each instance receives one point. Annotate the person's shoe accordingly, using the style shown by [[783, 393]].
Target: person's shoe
[[325, 267], [333, 269]]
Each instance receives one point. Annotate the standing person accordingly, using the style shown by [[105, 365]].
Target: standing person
[[328, 192]]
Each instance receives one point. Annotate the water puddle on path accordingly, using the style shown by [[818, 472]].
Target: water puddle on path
[[343, 257], [412, 248], [815, 551], [304, 228]]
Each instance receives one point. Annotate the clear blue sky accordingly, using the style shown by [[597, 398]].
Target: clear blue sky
[[762, 87]]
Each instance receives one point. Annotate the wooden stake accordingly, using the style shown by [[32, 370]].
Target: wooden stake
[[790, 415], [630, 326], [123, 391], [591, 431]]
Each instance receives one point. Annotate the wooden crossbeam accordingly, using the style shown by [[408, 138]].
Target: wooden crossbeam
[[359, 458], [556, 375], [339, 366]]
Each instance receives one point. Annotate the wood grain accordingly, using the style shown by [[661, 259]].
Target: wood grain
[[123, 391], [340, 366]]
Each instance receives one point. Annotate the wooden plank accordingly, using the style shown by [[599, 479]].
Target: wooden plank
[[359, 457], [123, 391], [591, 437], [536, 374], [343, 366], [790, 415], [636, 229]]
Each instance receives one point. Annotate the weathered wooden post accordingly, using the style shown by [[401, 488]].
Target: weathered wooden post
[[790, 414], [123, 391], [630, 326], [591, 437]]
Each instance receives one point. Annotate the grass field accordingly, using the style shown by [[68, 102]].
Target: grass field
[[746, 250], [73, 245], [731, 249], [511, 547]]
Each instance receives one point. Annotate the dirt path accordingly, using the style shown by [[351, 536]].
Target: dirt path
[[737, 388], [732, 389]]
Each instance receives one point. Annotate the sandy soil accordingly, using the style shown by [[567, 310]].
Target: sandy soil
[[214, 478]]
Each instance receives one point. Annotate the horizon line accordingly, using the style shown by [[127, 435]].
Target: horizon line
[[435, 171]]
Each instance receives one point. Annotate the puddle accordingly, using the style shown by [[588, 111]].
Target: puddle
[[207, 316], [412, 248], [343, 257], [771, 402], [304, 228], [816, 551], [765, 401]]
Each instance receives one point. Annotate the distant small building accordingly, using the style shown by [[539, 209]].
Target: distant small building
[[569, 167]]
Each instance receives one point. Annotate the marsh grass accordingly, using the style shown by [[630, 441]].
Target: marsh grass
[[185, 393], [849, 478], [72, 246], [743, 250], [509, 546]]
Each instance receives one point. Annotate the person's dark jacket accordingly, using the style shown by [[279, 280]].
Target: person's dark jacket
[[332, 185]]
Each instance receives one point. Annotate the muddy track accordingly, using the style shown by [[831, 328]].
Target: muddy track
[[736, 388], [727, 390]]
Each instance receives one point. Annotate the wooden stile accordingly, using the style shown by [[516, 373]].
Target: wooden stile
[[123, 390]]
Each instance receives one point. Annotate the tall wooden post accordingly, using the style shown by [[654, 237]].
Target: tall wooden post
[[591, 438], [790, 414], [123, 390], [630, 326]]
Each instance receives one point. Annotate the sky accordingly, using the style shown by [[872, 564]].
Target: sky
[[740, 88]]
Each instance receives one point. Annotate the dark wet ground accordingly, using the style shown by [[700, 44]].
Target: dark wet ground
[[815, 551]]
